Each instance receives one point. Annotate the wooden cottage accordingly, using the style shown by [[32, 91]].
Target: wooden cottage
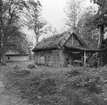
[[60, 50]]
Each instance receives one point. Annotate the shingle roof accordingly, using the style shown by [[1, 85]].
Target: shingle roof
[[55, 41]]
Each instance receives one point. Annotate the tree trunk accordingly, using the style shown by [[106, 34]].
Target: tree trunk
[[36, 30], [37, 38], [101, 36], [100, 41], [3, 56], [2, 49], [0, 28]]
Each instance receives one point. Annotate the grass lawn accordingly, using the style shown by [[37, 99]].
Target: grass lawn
[[56, 86]]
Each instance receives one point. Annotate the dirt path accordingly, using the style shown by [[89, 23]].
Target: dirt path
[[8, 97]]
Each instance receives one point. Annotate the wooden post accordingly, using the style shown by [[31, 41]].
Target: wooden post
[[85, 57], [100, 41], [100, 58], [101, 36]]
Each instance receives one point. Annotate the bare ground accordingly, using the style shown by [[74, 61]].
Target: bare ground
[[10, 97]]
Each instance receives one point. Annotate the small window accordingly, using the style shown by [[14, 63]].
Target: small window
[[8, 58]]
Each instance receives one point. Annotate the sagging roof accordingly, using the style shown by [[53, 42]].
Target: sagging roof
[[56, 41]]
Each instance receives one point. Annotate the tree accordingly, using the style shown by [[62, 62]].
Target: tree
[[80, 18], [100, 19], [86, 29], [73, 12], [15, 40], [10, 13], [86, 21], [34, 19]]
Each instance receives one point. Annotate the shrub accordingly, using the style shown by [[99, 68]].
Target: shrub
[[94, 61], [31, 66]]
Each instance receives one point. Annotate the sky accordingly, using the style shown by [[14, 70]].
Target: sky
[[53, 12]]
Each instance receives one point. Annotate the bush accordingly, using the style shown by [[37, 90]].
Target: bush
[[73, 73], [21, 73], [31, 66], [94, 61]]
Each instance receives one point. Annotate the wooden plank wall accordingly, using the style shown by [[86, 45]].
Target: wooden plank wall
[[52, 58]]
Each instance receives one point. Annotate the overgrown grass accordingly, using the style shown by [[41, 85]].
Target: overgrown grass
[[79, 86]]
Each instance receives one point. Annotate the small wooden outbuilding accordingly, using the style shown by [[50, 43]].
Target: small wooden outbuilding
[[13, 56]]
